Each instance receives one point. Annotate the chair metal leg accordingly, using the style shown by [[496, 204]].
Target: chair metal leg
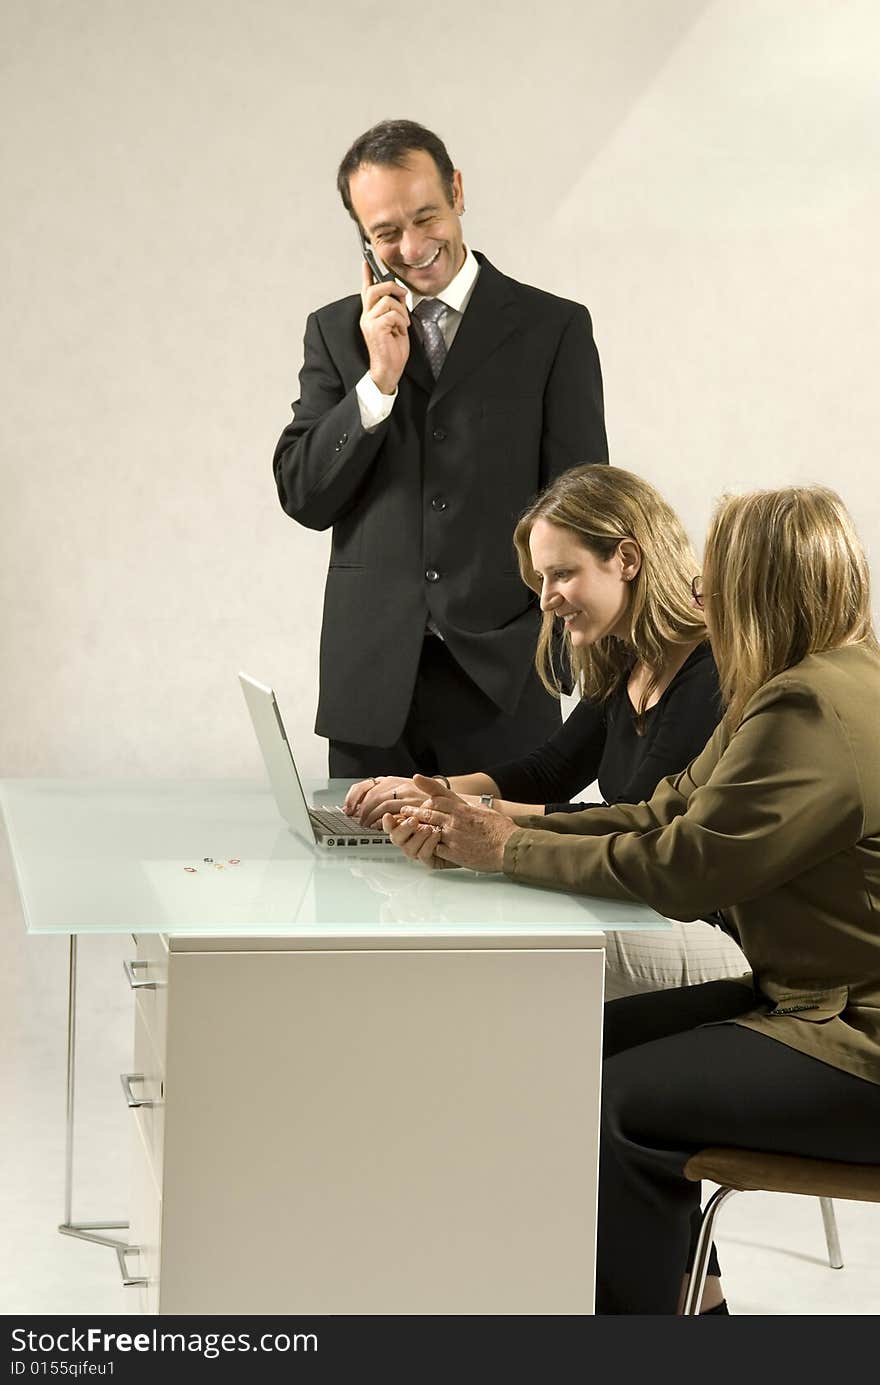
[[832, 1240], [704, 1247]]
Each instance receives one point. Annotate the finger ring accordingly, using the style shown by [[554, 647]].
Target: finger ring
[[393, 793]]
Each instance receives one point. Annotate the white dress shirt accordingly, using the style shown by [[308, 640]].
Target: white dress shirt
[[373, 404]]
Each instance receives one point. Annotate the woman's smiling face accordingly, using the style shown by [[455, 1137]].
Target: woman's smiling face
[[590, 594]]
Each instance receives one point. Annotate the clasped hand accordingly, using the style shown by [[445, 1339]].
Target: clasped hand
[[371, 799], [446, 831]]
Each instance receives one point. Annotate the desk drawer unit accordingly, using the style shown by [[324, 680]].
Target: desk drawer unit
[[361, 1131], [145, 1221], [147, 973], [144, 1091]]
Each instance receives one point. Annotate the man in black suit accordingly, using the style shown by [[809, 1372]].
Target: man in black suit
[[432, 409]]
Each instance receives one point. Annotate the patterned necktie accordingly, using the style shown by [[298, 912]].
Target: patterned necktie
[[429, 312]]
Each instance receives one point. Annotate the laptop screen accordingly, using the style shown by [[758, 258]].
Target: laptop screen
[[278, 757]]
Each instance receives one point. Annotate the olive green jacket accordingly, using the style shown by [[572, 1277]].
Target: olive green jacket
[[778, 824]]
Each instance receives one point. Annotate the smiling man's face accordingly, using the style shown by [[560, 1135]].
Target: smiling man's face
[[410, 222]]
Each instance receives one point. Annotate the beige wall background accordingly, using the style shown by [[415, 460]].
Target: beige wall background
[[704, 176]]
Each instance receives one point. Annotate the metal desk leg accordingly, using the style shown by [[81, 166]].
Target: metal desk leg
[[83, 1230]]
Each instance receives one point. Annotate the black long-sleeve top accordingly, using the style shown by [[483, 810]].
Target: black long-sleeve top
[[601, 742]]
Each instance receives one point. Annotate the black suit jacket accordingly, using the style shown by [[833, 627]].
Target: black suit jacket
[[423, 508]]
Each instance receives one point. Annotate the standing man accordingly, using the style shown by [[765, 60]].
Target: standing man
[[433, 406]]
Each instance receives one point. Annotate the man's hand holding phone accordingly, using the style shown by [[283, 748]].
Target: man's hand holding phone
[[385, 323]]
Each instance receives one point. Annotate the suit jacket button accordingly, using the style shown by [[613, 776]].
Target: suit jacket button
[[344, 439], [438, 503], [432, 575], [438, 434]]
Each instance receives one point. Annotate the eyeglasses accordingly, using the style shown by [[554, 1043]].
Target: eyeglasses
[[697, 591]]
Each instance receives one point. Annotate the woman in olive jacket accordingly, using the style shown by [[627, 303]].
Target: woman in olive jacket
[[777, 823]]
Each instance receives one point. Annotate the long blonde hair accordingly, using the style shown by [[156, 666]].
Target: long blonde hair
[[785, 576], [601, 505]]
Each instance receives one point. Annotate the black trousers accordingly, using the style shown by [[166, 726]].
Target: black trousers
[[670, 1089], [452, 727]]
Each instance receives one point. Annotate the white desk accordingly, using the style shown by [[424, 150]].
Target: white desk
[[358, 1086]]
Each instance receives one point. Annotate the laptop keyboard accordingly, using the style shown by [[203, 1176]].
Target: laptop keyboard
[[338, 824]]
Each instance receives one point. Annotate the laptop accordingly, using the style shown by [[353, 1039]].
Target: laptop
[[328, 828]]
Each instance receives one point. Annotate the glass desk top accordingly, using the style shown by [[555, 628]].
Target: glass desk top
[[215, 858]]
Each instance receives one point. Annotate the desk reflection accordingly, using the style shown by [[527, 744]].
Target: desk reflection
[[396, 892]]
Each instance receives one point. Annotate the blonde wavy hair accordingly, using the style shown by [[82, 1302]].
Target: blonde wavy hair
[[784, 575], [600, 506]]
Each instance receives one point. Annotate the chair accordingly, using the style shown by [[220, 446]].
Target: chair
[[745, 1170]]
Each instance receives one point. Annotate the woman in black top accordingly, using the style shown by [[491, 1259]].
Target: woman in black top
[[606, 742], [613, 566]]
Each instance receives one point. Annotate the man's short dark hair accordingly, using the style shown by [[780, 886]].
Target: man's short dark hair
[[388, 144]]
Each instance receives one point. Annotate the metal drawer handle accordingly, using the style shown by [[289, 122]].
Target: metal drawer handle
[[138, 983], [126, 1078], [127, 1280]]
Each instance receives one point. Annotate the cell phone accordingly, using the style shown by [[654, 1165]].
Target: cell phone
[[379, 276]]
